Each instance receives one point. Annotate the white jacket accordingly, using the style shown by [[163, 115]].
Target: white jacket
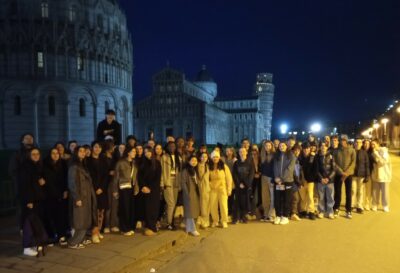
[[382, 171]]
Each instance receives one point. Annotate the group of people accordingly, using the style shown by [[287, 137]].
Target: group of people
[[79, 193]]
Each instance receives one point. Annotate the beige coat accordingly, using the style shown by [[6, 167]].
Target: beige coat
[[221, 180], [166, 172]]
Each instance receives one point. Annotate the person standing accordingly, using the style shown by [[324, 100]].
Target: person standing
[[32, 196], [111, 222], [83, 199], [243, 177], [284, 168], [125, 183], [297, 185], [171, 164], [97, 170], [204, 187], [368, 184], [229, 160], [345, 165], [326, 177], [267, 184], [109, 128], [361, 176], [255, 188], [27, 142], [191, 194], [149, 179], [381, 176], [56, 204], [221, 188], [308, 163]]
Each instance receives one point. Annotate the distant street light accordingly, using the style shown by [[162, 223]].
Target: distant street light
[[398, 109], [316, 128], [284, 128]]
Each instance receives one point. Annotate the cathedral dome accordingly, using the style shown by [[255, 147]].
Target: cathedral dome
[[204, 75]]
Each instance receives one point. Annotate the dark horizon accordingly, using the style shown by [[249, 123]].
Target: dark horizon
[[314, 50]]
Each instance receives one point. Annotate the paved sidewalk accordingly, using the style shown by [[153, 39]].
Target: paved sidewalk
[[113, 254]]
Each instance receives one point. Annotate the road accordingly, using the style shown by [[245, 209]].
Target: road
[[366, 243]]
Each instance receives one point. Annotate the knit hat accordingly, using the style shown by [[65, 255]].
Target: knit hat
[[215, 154], [344, 137]]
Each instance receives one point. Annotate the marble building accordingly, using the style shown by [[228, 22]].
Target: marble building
[[62, 64], [181, 107]]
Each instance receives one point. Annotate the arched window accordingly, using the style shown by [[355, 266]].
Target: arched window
[[106, 106], [72, 13], [82, 108], [45, 9], [17, 105], [52, 106]]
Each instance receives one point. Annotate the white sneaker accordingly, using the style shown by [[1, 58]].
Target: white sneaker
[[367, 208], [320, 215], [386, 209], [195, 233], [106, 230], [30, 251], [95, 239], [129, 233], [331, 216], [277, 220], [101, 236], [374, 208], [115, 229], [224, 225], [284, 221]]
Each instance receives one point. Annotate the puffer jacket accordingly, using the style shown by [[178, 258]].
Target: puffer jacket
[[362, 168], [382, 171]]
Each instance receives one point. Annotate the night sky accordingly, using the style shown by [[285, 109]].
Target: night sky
[[333, 61]]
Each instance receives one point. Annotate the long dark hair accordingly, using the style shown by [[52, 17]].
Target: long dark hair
[[152, 161], [75, 159], [190, 169], [220, 165], [176, 154]]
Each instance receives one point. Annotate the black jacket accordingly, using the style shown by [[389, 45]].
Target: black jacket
[[267, 166], [98, 171], [116, 134], [30, 190], [362, 164], [309, 167], [243, 172], [55, 174], [326, 167]]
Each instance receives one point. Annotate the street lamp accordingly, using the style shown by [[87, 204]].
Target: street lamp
[[376, 127], [398, 109], [384, 121], [316, 127], [284, 128]]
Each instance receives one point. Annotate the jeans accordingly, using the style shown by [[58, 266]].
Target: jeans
[[267, 196], [326, 200], [240, 206], [358, 192]]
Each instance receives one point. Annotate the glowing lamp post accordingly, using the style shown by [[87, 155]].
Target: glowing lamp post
[[284, 128], [384, 121], [316, 128], [376, 127]]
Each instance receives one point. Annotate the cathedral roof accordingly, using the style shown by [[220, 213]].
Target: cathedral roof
[[204, 75]]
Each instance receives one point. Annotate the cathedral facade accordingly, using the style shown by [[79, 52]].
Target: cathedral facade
[[180, 107], [63, 63]]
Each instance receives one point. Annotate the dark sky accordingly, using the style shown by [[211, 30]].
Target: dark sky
[[332, 61]]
